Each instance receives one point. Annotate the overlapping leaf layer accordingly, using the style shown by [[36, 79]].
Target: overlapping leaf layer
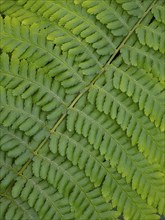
[[82, 109]]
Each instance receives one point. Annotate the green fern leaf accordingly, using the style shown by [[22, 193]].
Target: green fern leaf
[[93, 33], [23, 115], [148, 59], [16, 209], [130, 119], [39, 55], [72, 184], [17, 145], [132, 209], [65, 39], [80, 153], [8, 171], [152, 36], [47, 202], [28, 82], [142, 87], [135, 8], [109, 13], [159, 11], [82, 116]]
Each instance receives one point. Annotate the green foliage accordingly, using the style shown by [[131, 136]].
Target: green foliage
[[16, 209], [8, 171], [151, 35], [72, 183], [144, 89], [22, 114], [17, 145], [82, 109], [141, 56]]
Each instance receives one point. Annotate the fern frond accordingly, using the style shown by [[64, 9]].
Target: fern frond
[[97, 169], [86, 57], [23, 115], [8, 171], [126, 113], [76, 20], [152, 35], [16, 209], [31, 44], [25, 80], [159, 11], [44, 199], [110, 14], [142, 87], [144, 57], [13, 8], [79, 152], [82, 116], [135, 8], [131, 164], [127, 200], [87, 41], [17, 145], [72, 183], [80, 23]]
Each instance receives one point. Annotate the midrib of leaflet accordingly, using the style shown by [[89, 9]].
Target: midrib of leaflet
[[112, 58]]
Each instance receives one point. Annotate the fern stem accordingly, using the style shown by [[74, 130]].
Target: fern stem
[[24, 167]]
